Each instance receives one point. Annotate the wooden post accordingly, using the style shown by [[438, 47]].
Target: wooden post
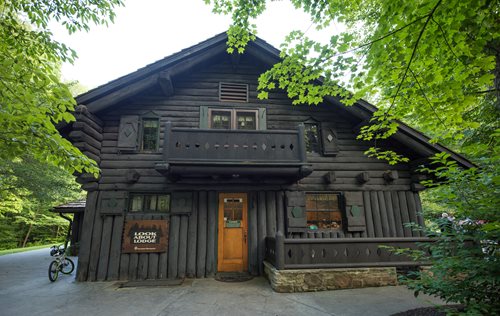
[[166, 139], [302, 144], [280, 251]]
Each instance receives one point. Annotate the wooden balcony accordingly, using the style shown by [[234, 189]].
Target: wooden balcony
[[194, 153]]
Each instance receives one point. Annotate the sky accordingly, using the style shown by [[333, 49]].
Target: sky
[[148, 30]]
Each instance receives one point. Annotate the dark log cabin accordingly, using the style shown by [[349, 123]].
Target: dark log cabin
[[185, 145]]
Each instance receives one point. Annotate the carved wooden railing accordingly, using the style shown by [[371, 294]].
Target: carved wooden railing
[[338, 252], [215, 151]]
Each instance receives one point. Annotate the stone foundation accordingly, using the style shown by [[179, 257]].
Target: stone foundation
[[308, 280]]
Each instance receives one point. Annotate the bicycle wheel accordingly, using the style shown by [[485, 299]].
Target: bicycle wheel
[[67, 266], [53, 271]]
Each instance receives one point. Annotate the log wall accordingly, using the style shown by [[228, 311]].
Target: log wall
[[192, 250]]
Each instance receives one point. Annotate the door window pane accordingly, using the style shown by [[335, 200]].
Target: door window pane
[[246, 120], [233, 212], [221, 120]]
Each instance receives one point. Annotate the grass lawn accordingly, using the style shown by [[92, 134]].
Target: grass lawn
[[15, 250]]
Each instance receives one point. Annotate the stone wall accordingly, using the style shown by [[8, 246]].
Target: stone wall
[[307, 280]]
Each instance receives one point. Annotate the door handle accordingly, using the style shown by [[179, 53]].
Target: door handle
[[245, 236]]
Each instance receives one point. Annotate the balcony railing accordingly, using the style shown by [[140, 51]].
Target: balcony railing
[[286, 253], [192, 152]]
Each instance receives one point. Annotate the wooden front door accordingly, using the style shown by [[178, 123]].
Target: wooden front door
[[233, 232]]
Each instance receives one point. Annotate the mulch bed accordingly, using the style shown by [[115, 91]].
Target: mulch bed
[[431, 311]]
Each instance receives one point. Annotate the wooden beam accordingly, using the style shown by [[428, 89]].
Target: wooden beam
[[123, 93], [166, 85]]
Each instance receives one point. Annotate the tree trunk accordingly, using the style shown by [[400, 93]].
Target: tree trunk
[[27, 236]]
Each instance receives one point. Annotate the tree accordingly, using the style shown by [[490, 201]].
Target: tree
[[433, 64], [33, 100], [426, 62], [29, 190]]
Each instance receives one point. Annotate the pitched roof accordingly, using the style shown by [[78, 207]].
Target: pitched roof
[[70, 207], [108, 94]]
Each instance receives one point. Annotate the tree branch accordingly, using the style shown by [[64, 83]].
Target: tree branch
[[372, 42], [429, 16], [487, 91], [444, 37], [426, 99]]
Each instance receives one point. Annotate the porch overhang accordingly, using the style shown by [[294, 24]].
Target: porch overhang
[[234, 170]]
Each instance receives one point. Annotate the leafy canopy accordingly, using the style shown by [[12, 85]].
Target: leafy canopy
[[28, 190], [33, 100], [425, 62]]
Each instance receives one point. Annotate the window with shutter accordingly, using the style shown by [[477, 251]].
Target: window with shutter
[[242, 119], [323, 211], [296, 215], [150, 134], [329, 140], [128, 133], [355, 212], [149, 203], [311, 134]]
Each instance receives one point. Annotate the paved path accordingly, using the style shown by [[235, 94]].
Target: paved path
[[26, 290]]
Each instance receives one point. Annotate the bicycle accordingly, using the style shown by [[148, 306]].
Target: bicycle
[[60, 264]]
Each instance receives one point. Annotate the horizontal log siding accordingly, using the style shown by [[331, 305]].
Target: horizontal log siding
[[201, 89], [102, 235]]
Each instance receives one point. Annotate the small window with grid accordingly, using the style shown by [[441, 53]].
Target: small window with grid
[[149, 203], [323, 211]]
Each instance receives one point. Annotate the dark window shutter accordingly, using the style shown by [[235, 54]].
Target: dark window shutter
[[203, 116], [296, 209], [262, 119], [128, 132], [355, 212], [329, 140], [112, 202], [182, 203]]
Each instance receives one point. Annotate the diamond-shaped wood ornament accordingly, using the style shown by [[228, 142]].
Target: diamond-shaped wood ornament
[[128, 130], [329, 137]]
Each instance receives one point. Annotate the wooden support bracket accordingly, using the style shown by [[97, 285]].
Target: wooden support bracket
[[363, 177], [165, 82], [390, 176], [329, 177]]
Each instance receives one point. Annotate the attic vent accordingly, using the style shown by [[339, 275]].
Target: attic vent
[[233, 92]]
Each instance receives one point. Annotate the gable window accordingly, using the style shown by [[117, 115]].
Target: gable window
[[312, 139], [233, 119], [150, 134], [323, 211], [149, 203]]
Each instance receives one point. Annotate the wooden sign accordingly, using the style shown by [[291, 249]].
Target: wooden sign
[[140, 236]]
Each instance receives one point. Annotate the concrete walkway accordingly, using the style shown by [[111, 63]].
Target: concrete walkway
[[26, 290]]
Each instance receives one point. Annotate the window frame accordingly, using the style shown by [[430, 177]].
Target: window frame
[[149, 116], [341, 205], [312, 121], [143, 208], [233, 120]]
